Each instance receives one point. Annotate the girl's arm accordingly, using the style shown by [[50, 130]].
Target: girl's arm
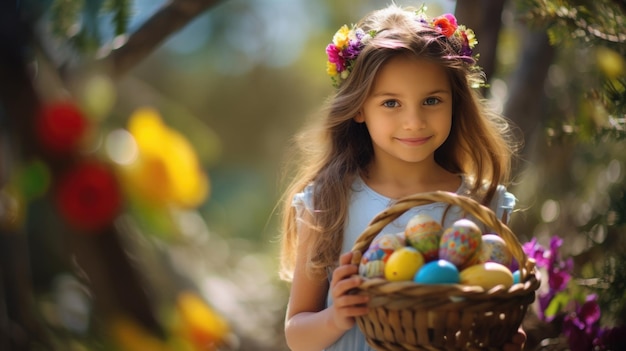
[[308, 324]]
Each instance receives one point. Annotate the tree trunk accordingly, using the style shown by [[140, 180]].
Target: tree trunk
[[526, 90]]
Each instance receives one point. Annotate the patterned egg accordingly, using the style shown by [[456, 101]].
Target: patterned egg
[[372, 269], [493, 249], [460, 242], [389, 241], [375, 253], [423, 233]]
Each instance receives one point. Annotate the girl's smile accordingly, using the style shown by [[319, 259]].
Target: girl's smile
[[414, 141]]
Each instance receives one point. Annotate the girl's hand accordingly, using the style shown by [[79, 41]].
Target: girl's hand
[[517, 342], [346, 306]]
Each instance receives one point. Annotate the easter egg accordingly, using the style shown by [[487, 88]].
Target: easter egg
[[388, 241], [403, 264], [487, 275], [493, 249], [376, 253], [516, 277], [372, 269], [423, 233], [437, 272], [460, 242]]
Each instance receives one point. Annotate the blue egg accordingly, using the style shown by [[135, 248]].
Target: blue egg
[[516, 277], [437, 272]]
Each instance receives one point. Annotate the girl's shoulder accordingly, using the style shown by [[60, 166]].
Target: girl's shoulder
[[304, 199]]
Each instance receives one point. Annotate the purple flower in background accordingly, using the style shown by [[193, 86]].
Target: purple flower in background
[[582, 327], [535, 251], [559, 270]]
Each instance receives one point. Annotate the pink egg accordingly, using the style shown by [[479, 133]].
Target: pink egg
[[460, 242], [493, 249], [423, 233]]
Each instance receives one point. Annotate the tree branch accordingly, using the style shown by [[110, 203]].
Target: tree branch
[[170, 18]]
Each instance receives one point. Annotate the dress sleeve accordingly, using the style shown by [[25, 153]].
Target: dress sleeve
[[303, 201], [503, 202]]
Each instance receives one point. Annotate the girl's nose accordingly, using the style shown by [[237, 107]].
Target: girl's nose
[[414, 120]]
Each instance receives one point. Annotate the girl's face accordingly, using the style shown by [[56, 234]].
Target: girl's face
[[409, 110]]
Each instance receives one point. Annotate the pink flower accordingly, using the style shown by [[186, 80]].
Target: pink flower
[[334, 56]]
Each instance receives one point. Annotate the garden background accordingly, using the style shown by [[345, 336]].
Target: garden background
[[148, 220]]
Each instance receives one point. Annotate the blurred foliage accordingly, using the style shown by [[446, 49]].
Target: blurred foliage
[[594, 29], [581, 171]]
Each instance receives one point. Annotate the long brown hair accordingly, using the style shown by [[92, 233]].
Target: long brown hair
[[334, 152]]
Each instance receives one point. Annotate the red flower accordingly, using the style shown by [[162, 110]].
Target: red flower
[[60, 126], [88, 196], [446, 24]]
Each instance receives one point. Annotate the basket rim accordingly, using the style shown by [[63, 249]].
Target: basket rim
[[470, 206]]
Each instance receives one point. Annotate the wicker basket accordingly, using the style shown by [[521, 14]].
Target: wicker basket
[[410, 316]]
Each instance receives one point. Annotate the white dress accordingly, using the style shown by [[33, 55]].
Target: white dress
[[365, 204]]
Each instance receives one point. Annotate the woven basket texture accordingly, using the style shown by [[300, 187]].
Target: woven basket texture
[[409, 316]]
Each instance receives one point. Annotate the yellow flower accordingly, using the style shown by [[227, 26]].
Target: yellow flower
[[331, 68], [203, 326], [130, 336], [340, 39], [167, 169], [471, 37]]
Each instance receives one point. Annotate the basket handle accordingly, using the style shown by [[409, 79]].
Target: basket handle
[[471, 206]]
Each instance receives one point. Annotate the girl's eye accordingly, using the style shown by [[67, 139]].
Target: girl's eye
[[431, 101], [391, 103]]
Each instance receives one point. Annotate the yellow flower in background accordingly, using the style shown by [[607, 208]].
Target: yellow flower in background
[[131, 336], [199, 323], [166, 170], [610, 62]]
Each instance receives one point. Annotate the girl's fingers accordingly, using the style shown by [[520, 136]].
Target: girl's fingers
[[341, 287], [345, 258]]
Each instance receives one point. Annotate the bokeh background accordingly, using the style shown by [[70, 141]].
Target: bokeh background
[[187, 109]]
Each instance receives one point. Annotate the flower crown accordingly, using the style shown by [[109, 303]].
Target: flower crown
[[348, 43]]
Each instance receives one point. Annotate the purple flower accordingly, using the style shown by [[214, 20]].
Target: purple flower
[[559, 271], [465, 50], [536, 251], [353, 50], [582, 327]]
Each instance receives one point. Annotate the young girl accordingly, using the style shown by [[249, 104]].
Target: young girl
[[404, 119]]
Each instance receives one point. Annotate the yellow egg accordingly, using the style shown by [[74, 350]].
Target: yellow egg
[[487, 275], [403, 264]]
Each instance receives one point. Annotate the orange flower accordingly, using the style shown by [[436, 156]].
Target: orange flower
[[446, 25]]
